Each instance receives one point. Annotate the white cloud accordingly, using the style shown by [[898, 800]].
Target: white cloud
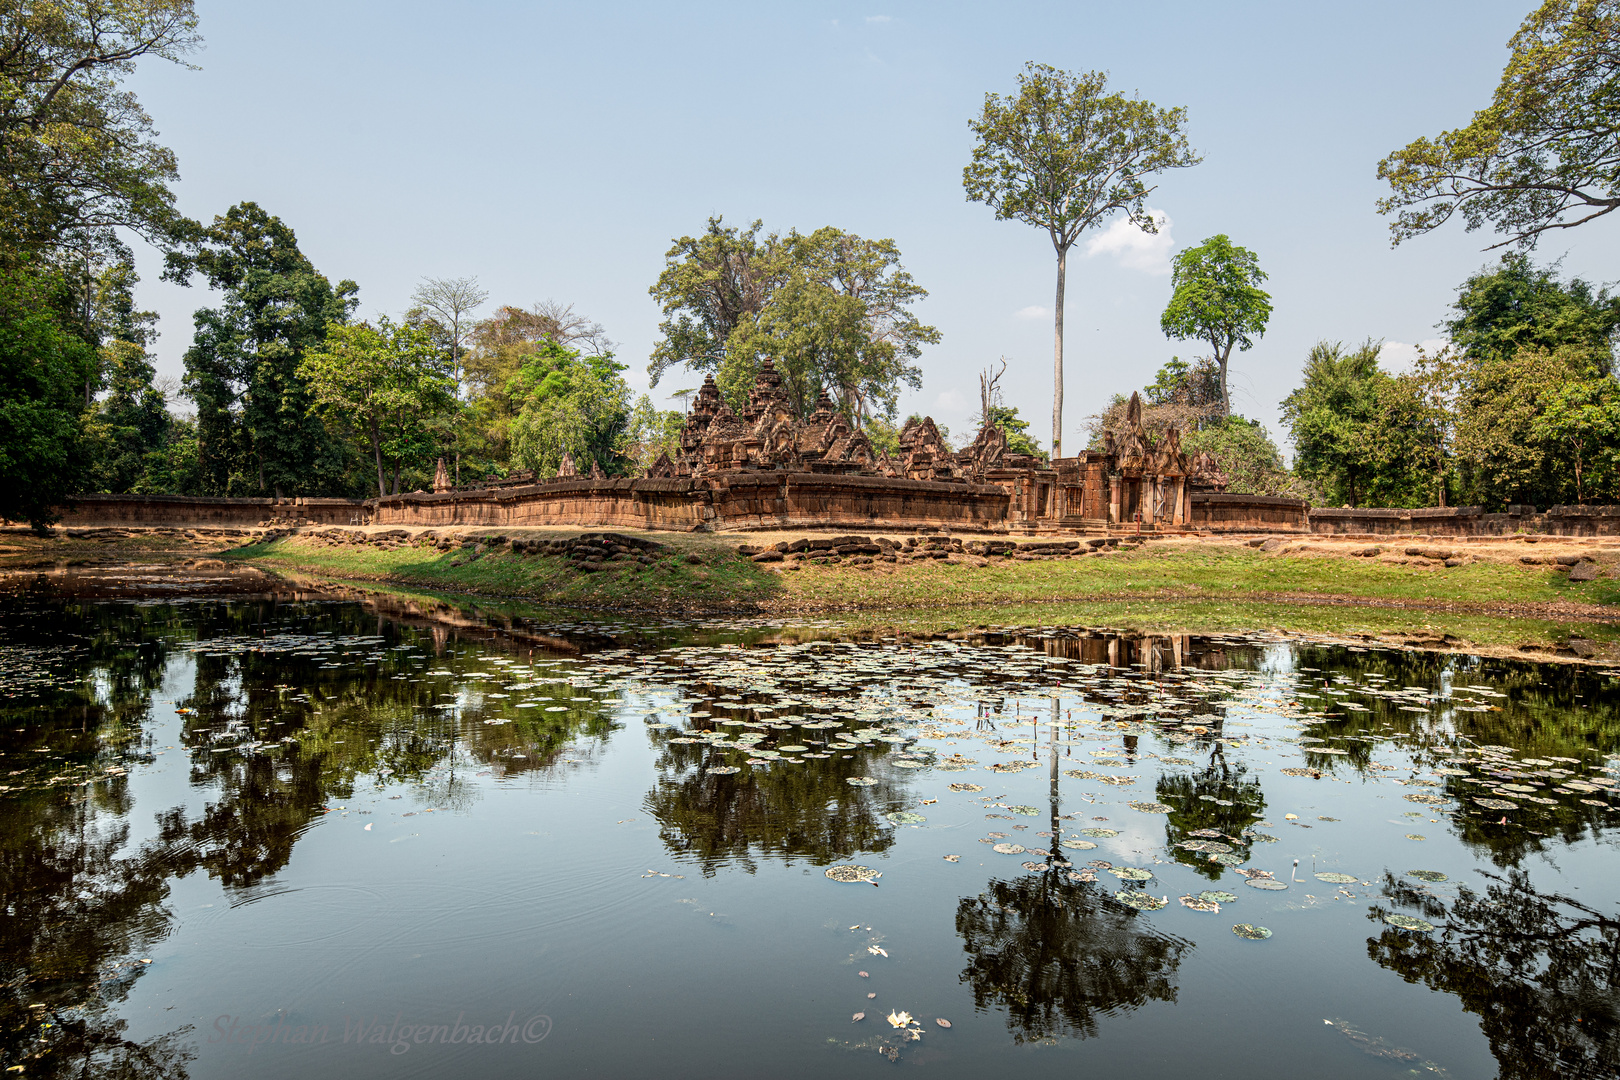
[[1135, 249], [1397, 357], [879, 18], [951, 402], [1034, 311]]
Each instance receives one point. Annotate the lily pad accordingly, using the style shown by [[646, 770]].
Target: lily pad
[[1407, 922], [905, 817], [1077, 845], [1026, 811], [1423, 797], [1099, 832], [849, 873], [1427, 875], [1131, 873], [1200, 904], [1267, 884], [1218, 896], [723, 770], [859, 781], [1250, 931], [966, 787], [1336, 878], [1009, 849], [1151, 807], [1139, 900], [1497, 804]]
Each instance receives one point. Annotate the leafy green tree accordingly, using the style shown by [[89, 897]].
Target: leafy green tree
[[567, 403], [651, 431], [1064, 155], [1413, 434], [831, 309], [712, 285], [256, 430], [1542, 156], [1516, 304], [129, 423], [1332, 418], [500, 347], [1246, 456], [46, 359], [840, 322], [77, 152], [1217, 298], [386, 383], [1509, 449], [1581, 419]]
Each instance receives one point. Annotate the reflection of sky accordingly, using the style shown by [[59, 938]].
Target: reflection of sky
[[539, 888]]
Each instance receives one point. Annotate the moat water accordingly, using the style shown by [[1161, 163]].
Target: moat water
[[259, 838]]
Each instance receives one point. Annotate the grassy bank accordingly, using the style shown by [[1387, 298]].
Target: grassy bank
[[706, 573], [689, 574], [1204, 572]]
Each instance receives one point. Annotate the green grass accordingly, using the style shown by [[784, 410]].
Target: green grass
[[722, 580], [1199, 574]]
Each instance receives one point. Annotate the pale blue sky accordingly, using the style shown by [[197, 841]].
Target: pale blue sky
[[555, 150]]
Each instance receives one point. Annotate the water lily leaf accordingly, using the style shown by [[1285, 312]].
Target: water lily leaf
[[966, 787], [1497, 804], [723, 770], [850, 873], [859, 781], [857, 1017], [1217, 896], [1250, 931], [1099, 832], [1009, 849], [905, 817], [1026, 811], [1427, 875], [1151, 807], [1407, 922], [1268, 884], [1139, 900], [942, 1022], [1334, 878]]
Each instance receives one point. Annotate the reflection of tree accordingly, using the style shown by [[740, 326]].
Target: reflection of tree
[[1194, 813], [1541, 971], [1057, 956], [783, 811], [80, 910]]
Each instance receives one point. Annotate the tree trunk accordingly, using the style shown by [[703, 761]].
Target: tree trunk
[[376, 454], [1057, 355], [1221, 357]]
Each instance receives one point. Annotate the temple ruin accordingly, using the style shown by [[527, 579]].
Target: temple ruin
[[1130, 482]]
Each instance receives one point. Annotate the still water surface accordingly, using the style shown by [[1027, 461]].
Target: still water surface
[[256, 838]]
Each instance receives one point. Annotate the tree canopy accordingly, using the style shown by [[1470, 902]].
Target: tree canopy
[[79, 154], [389, 385], [832, 309], [1217, 298], [1544, 155], [256, 431]]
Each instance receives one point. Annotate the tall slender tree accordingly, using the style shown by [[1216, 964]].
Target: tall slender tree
[[1064, 155]]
